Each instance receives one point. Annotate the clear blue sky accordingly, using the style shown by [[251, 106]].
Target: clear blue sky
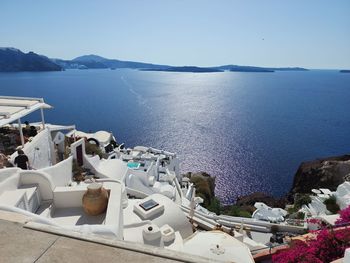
[[307, 33]]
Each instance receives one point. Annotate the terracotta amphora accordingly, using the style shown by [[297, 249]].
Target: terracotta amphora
[[95, 199]]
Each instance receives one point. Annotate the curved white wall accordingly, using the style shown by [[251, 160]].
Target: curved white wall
[[61, 173], [46, 186]]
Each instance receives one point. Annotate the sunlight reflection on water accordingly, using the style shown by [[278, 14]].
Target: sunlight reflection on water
[[250, 130]]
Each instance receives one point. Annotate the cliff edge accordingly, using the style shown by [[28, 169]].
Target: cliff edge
[[321, 173]]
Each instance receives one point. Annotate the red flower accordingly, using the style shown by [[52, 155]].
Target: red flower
[[326, 246], [344, 216]]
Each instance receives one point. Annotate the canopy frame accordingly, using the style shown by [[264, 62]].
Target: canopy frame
[[12, 109]]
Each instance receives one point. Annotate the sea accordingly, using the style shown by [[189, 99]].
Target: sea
[[249, 130]]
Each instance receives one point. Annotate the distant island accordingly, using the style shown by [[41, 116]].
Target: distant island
[[236, 68], [14, 60], [93, 61], [344, 71], [97, 62], [184, 69]]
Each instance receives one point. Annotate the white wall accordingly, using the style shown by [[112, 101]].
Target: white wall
[[60, 173], [10, 183], [38, 150], [46, 186], [7, 172], [64, 197]]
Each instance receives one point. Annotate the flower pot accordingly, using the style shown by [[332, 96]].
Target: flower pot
[[95, 199]]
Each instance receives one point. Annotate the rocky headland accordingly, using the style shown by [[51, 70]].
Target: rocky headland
[[320, 173], [14, 60]]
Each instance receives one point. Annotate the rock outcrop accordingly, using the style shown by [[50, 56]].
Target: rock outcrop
[[205, 186], [321, 173]]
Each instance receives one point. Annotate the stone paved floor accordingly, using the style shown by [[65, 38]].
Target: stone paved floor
[[18, 244]]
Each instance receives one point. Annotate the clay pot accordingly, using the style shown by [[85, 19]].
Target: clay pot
[[95, 199]]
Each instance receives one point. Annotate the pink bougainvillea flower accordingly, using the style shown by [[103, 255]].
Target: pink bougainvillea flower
[[327, 245], [344, 216]]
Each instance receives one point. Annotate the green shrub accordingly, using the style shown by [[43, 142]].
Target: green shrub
[[215, 206], [294, 214], [300, 215], [243, 213], [93, 149], [292, 210], [301, 199], [232, 210], [331, 204], [235, 210], [205, 186]]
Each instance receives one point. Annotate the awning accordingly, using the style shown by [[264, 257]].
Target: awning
[[14, 108]]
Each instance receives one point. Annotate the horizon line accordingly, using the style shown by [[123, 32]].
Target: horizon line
[[183, 65]]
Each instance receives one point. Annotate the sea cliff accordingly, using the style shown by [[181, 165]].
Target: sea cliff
[[320, 173]]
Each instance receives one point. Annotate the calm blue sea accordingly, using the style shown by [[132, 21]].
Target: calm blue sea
[[250, 130]]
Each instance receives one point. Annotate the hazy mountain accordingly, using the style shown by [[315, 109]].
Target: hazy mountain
[[289, 69], [257, 69], [90, 58], [93, 61], [12, 59]]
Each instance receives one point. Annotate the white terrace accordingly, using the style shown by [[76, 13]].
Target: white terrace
[[39, 147], [12, 109]]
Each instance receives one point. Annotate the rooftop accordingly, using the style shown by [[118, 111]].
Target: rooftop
[[14, 108]]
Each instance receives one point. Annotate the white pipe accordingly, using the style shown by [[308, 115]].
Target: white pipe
[[42, 118], [52, 152], [106, 180], [20, 131]]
